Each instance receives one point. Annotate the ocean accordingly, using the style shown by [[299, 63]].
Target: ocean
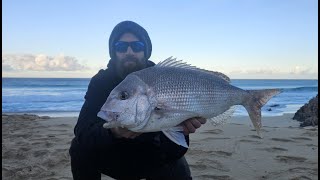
[[64, 96]]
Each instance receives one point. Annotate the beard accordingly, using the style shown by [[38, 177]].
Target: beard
[[128, 65]]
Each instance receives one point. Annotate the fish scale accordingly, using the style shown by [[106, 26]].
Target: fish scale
[[184, 93], [159, 98]]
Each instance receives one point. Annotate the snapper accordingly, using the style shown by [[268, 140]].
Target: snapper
[[159, 98]]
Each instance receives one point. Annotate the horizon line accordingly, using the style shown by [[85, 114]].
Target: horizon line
[[230, 78]]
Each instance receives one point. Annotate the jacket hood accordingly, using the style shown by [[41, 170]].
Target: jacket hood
[[134, 28]]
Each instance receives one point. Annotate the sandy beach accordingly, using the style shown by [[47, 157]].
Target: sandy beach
[[36, 147]]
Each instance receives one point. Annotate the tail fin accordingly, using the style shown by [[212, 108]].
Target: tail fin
[[253, 104]]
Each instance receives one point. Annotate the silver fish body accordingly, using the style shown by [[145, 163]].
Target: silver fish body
[[159, 98]]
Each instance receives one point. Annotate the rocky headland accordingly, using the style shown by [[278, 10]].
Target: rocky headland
[[308, 113]]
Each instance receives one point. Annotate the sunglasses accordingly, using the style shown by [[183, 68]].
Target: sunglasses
[[136, 46]]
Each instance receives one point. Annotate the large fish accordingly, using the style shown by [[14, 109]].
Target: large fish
[[159, 98]]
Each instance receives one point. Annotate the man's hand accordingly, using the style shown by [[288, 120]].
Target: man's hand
[[124, 133], [190, 125]]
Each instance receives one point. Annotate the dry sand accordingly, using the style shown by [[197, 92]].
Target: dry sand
[[37, 148]]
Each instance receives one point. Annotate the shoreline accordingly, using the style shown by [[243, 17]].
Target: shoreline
[[49, 114], [235, 119], [36, 147], [76, 113]]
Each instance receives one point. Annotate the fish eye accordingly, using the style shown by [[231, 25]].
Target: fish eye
[[157, 108], [124, 95]]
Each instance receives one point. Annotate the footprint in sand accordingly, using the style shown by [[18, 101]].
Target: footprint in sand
[[37, 143], [311, 145], [250, 141], [198, 166], [310, 134], [261, 130], [206, 164], [296, 173], [21, 155], [255, 136], [290, 159], [214, 138], [59, 130], [40, 127], [223, 153], [301, 138], [40, 153], [201, 152], [64, 125], [213, 131], [48, 144], [25, 136], [311, 129], [207, 176], [51, 135], [282, 140], [38, 137], [25, 148], [61, 152], [313, 171], [22, 143], [273, 149]]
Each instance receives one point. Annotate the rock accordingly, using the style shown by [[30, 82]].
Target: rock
[[308, 113], [275, 105], [45, 117]]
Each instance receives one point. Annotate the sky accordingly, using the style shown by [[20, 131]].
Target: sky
[[244, 39]]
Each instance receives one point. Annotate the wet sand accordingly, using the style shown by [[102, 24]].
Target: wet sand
[[36, 147]]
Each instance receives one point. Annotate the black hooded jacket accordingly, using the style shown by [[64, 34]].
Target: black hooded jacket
[[120, 155]]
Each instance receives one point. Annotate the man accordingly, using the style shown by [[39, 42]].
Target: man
[[118, 152]]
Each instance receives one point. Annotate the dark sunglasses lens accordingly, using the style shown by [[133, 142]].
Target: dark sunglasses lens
[[137, 46], [121, 46]]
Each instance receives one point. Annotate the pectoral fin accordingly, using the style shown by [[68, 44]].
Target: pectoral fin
[[176, 135]]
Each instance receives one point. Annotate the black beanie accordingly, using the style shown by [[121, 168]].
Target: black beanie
[[134, 28]]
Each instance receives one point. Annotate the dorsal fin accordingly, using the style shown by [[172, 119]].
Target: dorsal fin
[[219, 74], [170, 62]]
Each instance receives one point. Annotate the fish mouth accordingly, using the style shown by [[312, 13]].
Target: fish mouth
[[108, 115], [112, 120], [111, 124]]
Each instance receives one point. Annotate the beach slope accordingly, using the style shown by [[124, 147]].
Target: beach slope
[[35, 147]]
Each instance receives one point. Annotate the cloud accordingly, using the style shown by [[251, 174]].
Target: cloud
[[41, 62], [262, 71], [301, 70], [297, 72], [235, 71], [6, 67], [255, 71]]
